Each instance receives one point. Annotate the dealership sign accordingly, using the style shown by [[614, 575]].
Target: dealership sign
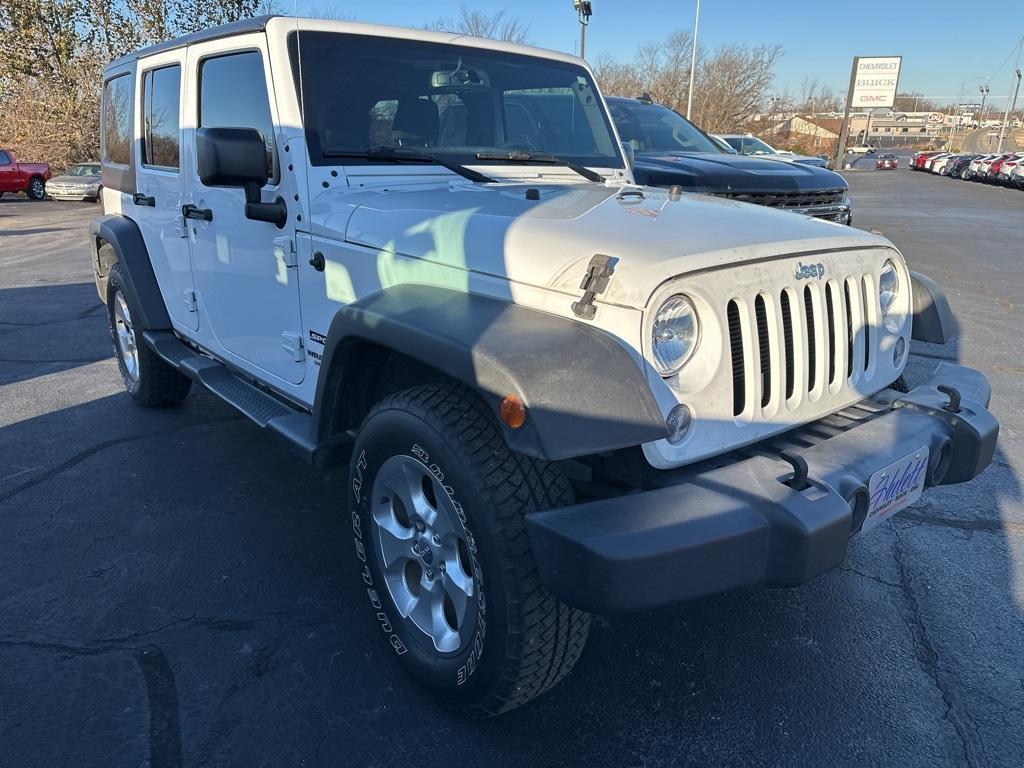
[[874, 81]]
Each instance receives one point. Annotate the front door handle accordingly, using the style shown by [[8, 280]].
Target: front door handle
[[140, 199], [191, 212]]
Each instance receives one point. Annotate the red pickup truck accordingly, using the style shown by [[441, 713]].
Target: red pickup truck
[[29, 178]]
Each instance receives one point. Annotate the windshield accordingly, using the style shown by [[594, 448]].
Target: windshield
[[654, 128], [749, 145], [452, 101], [84, 170]]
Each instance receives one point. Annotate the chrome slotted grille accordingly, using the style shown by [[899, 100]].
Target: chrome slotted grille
[[800, 344]]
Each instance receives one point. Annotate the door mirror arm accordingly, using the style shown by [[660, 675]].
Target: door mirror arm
[[275, 213]]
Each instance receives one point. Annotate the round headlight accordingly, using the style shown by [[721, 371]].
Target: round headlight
[[674, 334], [888, 286]]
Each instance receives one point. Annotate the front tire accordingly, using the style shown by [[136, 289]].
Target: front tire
[[36, 189], [147, 378], [438, 505]]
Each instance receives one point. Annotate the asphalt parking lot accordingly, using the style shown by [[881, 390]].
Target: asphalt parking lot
[[177, 590]]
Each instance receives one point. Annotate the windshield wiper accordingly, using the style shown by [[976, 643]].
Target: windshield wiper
[[398, 154], [524, 156]]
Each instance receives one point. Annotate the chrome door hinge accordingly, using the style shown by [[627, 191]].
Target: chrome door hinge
[[190, 300], [292, 343], [284, 251]]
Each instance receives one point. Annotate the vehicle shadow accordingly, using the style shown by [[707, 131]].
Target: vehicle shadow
[[231, 558], [46, 329]]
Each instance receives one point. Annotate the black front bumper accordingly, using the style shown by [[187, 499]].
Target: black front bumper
[[750, 522]]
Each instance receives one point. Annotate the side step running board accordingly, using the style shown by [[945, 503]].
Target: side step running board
[[265, 410]]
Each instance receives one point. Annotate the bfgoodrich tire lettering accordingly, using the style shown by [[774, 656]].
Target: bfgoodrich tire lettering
[[148, 379], [520, 640]]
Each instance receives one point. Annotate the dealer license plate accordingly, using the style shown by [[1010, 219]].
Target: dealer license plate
[[896, 487]]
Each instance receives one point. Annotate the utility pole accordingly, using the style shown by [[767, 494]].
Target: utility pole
[[1009, 111], [1006, 115], [693, 64], [584, 10], [984, 95], [844, 130]]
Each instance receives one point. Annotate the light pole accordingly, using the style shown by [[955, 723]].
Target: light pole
[[693, 63], [957, 119], [584, 12], [984, 95], [1009, 109]]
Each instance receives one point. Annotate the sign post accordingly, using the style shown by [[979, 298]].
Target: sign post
[[873, 83]]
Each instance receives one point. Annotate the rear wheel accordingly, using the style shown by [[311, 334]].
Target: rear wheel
[[36, 189], [147, 378], [438, 510]]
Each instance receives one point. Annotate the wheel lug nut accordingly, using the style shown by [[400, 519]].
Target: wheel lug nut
[[437, 539], [415, 549], [430, 573], [442, 567], [419, 526]]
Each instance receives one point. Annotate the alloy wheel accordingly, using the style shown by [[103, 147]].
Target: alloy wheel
[[424, 553], [127, 345]]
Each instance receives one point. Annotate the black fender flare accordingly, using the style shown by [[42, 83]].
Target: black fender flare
[[133, 263], [933, 320], [584, 391]]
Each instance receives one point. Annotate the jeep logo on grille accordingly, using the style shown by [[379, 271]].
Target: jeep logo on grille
[[806, 271]]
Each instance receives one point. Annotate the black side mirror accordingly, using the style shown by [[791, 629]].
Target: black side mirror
[[237, 157], [231, 157]]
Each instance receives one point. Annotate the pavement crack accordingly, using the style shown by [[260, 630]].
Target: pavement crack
[[927, 654], [878, 579], [81, 456]]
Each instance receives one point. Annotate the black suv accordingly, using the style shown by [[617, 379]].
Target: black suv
[[669, 150]]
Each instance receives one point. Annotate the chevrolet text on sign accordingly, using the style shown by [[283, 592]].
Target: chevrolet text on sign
[[875, 81]]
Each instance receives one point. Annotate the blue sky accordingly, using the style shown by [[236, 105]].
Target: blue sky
[[819, 38]]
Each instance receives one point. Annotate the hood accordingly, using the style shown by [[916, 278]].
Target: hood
[[83, 180], [547, 242], [700, 172]]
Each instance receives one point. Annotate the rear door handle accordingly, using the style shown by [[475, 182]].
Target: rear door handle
[[140, 199], [191, 212]]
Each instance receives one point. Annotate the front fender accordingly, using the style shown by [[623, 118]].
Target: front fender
[[933, 319], [584, 391], [133, 263]]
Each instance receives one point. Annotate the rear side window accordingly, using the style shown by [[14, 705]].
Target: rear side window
[[233, 94], [160, 117], [4, 158], [117, 120]]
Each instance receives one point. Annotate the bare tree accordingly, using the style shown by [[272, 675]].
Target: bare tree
[[497, 26], [731, 82], [52, 54], [914, 101], [816, 97]]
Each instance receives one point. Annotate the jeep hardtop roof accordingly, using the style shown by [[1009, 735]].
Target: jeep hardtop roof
[[262, 23]]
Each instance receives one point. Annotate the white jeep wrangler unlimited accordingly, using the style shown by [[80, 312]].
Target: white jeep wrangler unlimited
[[556, 392]]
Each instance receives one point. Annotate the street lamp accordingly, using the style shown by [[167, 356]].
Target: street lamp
[[984, 95], [584, 11], [958, 112]]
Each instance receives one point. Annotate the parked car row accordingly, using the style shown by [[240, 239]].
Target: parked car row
[[79, 182], [1006, 168], [16, 176]]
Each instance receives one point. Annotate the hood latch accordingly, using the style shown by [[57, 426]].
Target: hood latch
[[599, 273]]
